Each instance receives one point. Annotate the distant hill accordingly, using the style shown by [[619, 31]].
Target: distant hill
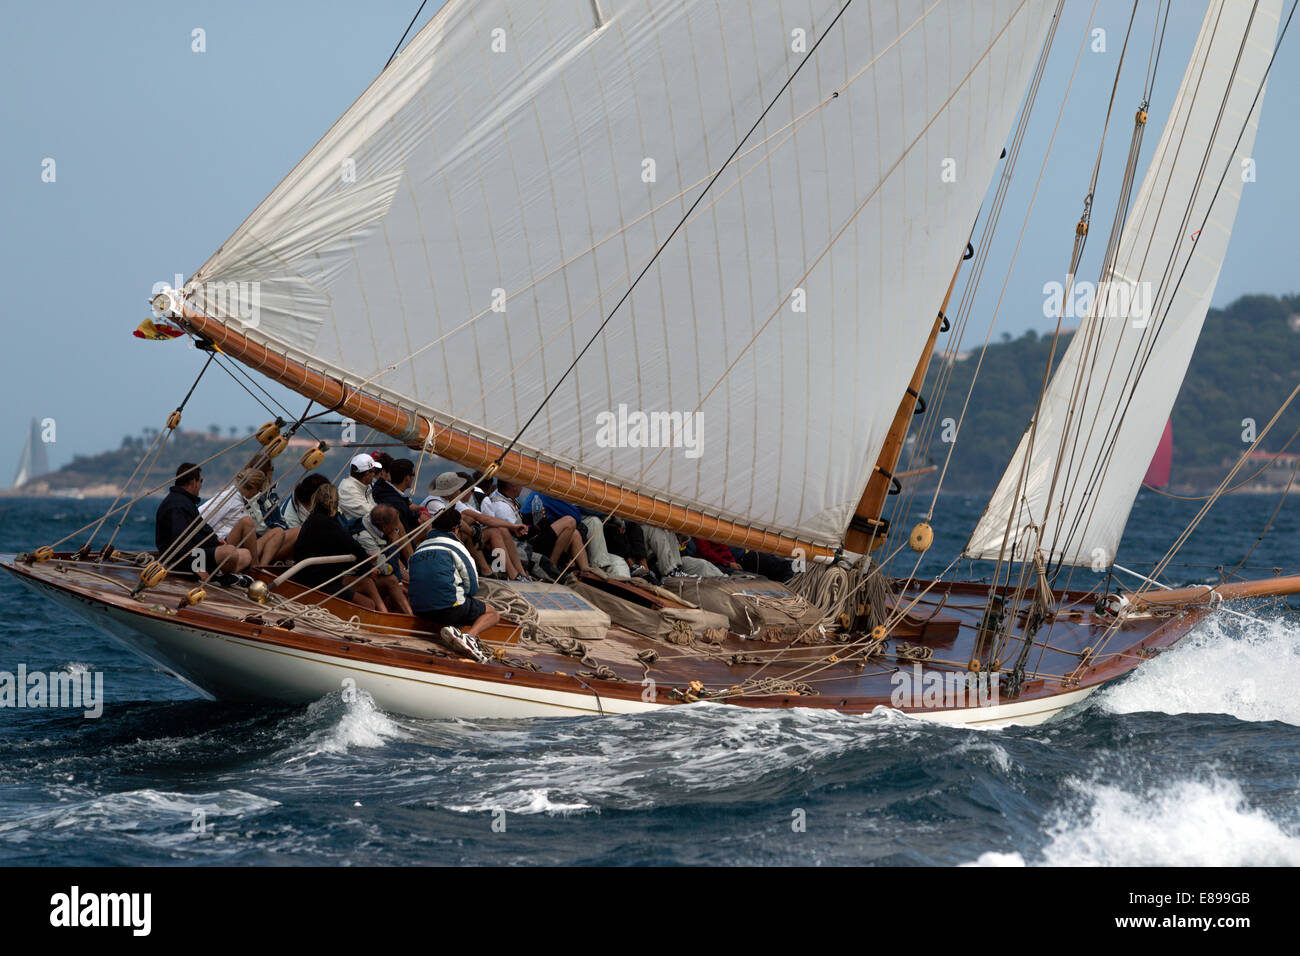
[[1246, 362], [106, 473]]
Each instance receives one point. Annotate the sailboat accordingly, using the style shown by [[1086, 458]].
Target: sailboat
[[745, 219], [34, 461]]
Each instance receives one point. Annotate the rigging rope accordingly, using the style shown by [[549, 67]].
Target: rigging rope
[[1080, 233], [1187, 532], [1237, 487], [404, 33], [164, 435]]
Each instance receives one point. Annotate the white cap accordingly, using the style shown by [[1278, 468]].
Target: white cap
[[364, 462]]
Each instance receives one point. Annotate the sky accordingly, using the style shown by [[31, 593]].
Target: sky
[[160, 152]]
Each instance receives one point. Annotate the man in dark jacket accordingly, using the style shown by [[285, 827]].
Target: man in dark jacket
[[395, 491], [179, 531], [443, 584]]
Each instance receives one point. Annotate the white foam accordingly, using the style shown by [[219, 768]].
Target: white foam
[[521, 801], [1226, 666], [998, 859], [362, 724], [892, 716], [635, 762], [1186, 823]]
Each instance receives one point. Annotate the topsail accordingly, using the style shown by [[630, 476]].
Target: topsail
[[455, 239]]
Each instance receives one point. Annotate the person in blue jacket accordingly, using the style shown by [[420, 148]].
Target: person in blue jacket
[[443, 586]]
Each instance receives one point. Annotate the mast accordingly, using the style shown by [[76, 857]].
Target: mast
[[868, 530]]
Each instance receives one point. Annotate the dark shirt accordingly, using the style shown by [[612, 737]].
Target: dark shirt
[[386, 494], [767, 565], [626, 540], [322, 536], [178, 513]]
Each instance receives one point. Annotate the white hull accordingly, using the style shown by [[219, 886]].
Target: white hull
[[1021, 713], [235, 668]]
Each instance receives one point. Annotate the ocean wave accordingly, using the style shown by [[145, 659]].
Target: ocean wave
[[1183, 823], [1226, 666], [159, 818], [357, 722], [982, 746], [701, 755]]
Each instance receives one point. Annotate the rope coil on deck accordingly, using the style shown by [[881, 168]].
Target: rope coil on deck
[[318, 616], [778, 687]]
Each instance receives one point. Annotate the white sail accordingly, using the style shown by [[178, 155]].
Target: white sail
[[1133, 348], [34, 461], [456, 238]]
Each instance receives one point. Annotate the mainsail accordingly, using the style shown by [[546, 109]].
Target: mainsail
[[34, 461], [455, 239], [1108, 402]]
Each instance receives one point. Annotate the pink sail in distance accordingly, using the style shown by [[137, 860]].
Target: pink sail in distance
[[1158, 473]]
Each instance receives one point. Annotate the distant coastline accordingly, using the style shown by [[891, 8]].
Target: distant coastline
[[105, 474]]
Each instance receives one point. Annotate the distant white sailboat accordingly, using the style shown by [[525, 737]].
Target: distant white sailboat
[[35, 462]]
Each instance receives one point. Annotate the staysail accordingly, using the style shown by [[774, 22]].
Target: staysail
[[1107, 403], [457, 237]]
